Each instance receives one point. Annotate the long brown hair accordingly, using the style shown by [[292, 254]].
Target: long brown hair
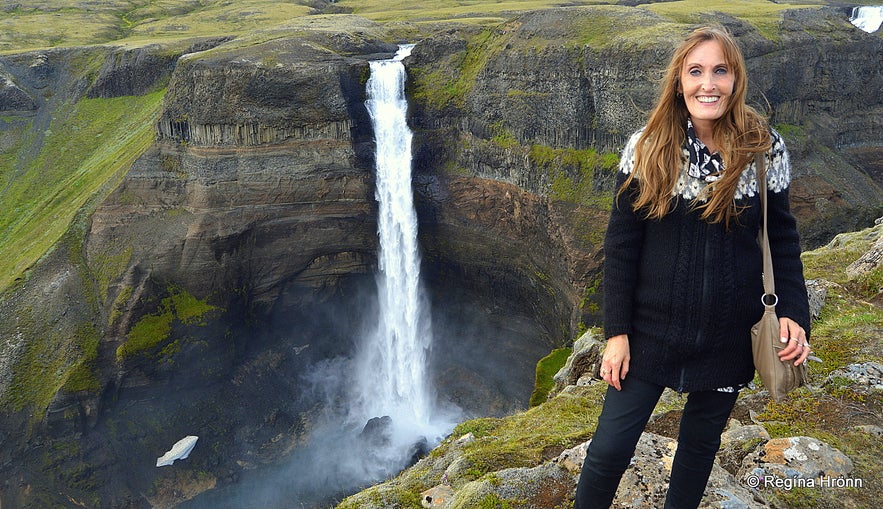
[[739, 133]]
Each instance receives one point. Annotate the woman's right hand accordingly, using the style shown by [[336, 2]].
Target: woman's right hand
[[615, 362]]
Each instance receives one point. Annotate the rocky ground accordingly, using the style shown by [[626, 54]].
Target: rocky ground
[[820, 448]]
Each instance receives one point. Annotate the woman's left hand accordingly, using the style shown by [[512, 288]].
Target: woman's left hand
[[798, 348]]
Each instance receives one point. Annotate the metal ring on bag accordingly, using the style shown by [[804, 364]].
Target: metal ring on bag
[[763, 299]]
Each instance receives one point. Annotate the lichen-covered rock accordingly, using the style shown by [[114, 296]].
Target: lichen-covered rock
[[437, 497], [584, 361], [737, 442], [795, 457], [12, 97], [541, 487], [863, 377]]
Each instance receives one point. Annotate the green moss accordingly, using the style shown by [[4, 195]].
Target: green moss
[[479, 427], [189, 309], [589, 303], [119, 304], [150, 331], [792, 132], [83, 377], [151, 334], [572, 174], [448, 87], [493, 501], [108, 266], [502, 136], [520, 439], [546, 369], [51, 359]]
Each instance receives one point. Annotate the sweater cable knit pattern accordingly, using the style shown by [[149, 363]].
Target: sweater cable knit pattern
[[687, 291]]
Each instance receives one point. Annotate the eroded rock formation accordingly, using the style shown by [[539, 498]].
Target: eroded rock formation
[[255, 208]]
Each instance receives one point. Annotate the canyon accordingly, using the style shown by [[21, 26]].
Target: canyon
[[237, 253]]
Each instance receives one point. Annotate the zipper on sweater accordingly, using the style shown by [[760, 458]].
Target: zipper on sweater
[[706, 268]]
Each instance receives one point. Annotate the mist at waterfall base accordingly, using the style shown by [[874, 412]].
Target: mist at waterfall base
[[374, 411]]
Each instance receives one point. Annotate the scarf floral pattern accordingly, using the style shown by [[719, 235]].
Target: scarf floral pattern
[[691, 181], [701, 164]]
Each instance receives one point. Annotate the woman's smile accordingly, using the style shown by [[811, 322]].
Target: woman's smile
[[706, 83]]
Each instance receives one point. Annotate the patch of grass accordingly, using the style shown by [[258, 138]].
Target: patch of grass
[[764, 15], [52, 359], [45, 24], [572, 173], [546, 369], [442, 89], [87, 145], [478, 11], [153, 330], [82, 377], [520, 439], [107, 266], [847, 319]]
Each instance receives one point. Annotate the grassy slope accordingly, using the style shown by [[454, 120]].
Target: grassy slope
[[88, 144], [33, 24]]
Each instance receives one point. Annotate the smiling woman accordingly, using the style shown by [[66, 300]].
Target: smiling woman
[[682, 267], [706, 85]]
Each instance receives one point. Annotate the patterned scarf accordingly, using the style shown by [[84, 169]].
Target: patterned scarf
[[703, 164]]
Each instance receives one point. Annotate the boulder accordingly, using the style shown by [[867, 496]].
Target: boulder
[[583, 362], [794, 458]]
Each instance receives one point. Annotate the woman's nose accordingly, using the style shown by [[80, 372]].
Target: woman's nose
[[708, 82]]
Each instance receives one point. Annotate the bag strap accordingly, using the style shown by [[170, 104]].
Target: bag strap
[[769, 284]]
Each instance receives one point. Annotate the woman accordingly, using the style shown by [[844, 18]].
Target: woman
[[682, 274]]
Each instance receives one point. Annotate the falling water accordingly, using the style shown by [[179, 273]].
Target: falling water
[[867, 18], [391, 368]]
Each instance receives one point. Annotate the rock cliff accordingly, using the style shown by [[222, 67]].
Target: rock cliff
[[233, 253]]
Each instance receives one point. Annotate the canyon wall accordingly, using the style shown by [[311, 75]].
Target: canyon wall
[[239, 249]]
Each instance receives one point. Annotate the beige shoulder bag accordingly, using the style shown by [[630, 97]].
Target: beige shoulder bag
[[777, 376]]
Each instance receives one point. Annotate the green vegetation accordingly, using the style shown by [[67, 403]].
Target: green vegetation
[[48, 23], [153, 331], [448, 88], [572, 173], [764, 15], [50, 361], [546, 369], [468, 11], [88, 145], [517, 440], [52, 23], [846, 332]]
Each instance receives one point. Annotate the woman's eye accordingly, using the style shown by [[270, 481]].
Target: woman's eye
[[720, 70], [695, 72]]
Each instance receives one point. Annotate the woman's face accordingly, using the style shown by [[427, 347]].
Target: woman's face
[[707, 84]]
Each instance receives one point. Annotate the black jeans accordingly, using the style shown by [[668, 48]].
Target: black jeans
[[622, 420]]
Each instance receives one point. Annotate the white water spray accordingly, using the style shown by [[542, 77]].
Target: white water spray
[[391, 366], [868, 18]]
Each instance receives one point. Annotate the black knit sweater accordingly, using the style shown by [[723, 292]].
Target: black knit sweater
[[687, 291]]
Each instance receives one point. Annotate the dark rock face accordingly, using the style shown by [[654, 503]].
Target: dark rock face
[[535, 85], [13, 98], [257, 198]]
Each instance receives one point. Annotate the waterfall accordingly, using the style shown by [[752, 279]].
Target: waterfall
[[867, 18], [391, 365]]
